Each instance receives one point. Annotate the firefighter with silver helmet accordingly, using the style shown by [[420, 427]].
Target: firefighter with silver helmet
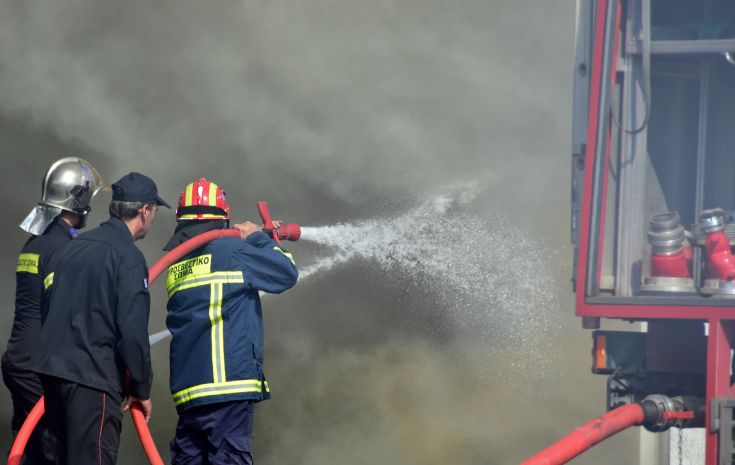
[[67, 190], [216, 322]]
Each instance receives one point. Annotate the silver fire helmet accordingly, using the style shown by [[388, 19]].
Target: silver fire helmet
[[70, 185]]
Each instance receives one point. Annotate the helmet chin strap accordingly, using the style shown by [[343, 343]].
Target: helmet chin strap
[[79, 192], [81, 218], [81, 222]]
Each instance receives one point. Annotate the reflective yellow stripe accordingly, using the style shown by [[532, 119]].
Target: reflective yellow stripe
[[221, 333], [217, 334], [27, 263], [215, 389], [48, 281], [188, 196], [218, 277], [212, 194], [213, 335], [288, 255], [194, 216]]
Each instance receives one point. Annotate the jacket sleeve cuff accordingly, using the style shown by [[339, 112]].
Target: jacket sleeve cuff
[[258, 239], [141, 391]]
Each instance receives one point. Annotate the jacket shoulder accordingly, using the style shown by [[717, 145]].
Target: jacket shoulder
[[44, 250], [113, 240], [45, 242]]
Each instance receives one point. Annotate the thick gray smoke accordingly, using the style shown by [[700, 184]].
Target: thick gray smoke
[[336, 111], [334, 95]]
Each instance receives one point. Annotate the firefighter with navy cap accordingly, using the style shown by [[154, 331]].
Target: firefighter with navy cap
[[66, 192], [216, 322], [93, 349]]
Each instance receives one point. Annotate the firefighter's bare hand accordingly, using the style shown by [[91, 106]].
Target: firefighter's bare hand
[[145, 406], [277, 224], [246, 228]]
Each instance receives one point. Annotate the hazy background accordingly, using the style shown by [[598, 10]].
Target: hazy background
[[338, 112]]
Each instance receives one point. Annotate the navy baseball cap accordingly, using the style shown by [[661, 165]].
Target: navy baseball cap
[[136, 187]]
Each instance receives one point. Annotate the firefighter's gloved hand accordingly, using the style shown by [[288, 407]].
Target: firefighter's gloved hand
[[146, 406], [246, 228]]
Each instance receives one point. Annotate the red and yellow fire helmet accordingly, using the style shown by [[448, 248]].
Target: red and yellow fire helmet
[[203, 200]]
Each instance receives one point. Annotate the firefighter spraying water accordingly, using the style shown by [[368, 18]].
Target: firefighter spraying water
[[214, 291]]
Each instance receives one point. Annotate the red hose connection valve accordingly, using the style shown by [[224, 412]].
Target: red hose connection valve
[[719, 270], [671, 256]]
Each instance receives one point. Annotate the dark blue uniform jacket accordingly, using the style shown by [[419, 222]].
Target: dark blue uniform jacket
[[33, 275], [215, 317], [96, 330]]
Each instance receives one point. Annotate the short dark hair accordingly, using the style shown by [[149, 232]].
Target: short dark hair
[[126, 210]]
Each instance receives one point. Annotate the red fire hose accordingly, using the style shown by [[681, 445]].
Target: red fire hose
[[189, 246], [588, 435], [19, 445], [290, 232]]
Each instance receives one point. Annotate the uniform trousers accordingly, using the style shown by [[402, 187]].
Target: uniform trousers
[[84, 423], [215, 434], [25, 390]]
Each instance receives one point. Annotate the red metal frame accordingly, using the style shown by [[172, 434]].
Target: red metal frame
[[721, 319], [603, 204], [594, 99], [719, 345]]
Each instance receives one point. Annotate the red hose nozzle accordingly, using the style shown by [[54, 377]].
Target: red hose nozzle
[[288, 232]]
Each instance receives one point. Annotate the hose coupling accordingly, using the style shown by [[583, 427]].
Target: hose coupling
[[662, 412]]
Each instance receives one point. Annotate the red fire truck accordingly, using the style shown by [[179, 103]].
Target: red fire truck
[[653, 213]]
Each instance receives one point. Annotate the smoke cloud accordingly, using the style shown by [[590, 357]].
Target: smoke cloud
[[336, 112], [343, 96]]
